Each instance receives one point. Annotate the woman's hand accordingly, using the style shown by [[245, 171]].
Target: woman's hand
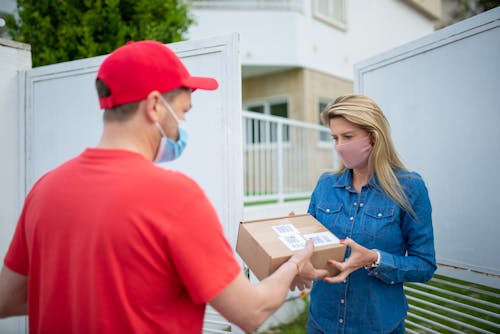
[[360, 257]]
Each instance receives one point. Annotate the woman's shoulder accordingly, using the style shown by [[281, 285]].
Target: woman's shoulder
[[404, 174], [410, 179]]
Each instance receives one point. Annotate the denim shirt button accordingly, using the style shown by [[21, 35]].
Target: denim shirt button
[[379, 215], [342, 301], [355, 203], [392, 282], [361, 204], [351, 218], [327, 210], [341, 320], [345, 281]]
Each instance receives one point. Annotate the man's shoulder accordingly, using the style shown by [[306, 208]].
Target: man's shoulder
[[166, 181], [172, 176]]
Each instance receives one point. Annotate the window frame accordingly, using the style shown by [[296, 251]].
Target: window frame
[[266, 103], [321, 142], [340, 24]]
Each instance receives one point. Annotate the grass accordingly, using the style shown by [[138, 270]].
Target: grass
[[296, 327], [269, 201], [274, 201]]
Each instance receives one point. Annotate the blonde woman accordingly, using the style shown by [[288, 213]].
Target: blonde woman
[[383, 214]]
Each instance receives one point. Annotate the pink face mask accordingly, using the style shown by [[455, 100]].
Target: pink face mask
[[355, 154]]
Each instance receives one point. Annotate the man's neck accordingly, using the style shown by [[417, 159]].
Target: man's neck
[[126, 136]]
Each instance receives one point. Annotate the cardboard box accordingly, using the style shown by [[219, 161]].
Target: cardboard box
[[266, 244]]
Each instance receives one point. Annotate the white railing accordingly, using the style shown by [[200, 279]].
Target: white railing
[[283, 158]]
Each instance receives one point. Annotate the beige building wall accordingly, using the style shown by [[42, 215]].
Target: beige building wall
[[431, 8], [303, 87], [322, 87], [287, 84]]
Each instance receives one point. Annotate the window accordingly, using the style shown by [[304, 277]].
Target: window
[[332, 12], [323, 136], [258, 131]]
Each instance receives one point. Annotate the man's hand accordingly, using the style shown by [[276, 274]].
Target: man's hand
[[360, 257], [300, 283], [306, 271]]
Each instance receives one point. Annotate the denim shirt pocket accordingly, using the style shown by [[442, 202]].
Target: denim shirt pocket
[[328, 213], [378, 221]]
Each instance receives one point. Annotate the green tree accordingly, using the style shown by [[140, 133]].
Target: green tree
[[62, 30]]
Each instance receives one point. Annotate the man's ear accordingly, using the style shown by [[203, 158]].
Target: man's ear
[[152, 112]]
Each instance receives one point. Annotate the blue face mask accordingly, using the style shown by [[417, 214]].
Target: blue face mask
[[169, 149]]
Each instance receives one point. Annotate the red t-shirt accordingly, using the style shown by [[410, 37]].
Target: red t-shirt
[[111, 243]]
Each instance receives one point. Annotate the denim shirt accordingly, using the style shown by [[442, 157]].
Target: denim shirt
[[372, 301]]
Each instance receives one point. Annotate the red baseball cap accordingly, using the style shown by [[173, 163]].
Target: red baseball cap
[[134, 70]]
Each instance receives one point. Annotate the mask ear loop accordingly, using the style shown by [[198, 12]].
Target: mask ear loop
[[161, 148], [169, 108], [159, 128]]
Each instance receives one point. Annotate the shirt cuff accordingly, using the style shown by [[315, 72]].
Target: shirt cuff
[[376, 263]]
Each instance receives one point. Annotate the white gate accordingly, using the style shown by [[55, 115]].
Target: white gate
[[440, 94], [62, 118]]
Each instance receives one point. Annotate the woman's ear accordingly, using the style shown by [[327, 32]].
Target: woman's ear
[[152, 112], [373, 138]]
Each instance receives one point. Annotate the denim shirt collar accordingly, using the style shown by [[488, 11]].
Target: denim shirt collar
[[345, 181]]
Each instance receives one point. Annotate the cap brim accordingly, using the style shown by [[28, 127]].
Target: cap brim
[[201, 83]]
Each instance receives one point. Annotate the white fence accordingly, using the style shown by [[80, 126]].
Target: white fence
[[283, 158]]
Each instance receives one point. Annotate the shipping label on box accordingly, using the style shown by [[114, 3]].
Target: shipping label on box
[[266, 244]]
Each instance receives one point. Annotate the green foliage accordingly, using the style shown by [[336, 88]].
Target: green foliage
[[62, 30]]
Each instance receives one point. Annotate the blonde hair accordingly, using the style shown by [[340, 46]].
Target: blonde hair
[[366, 114]]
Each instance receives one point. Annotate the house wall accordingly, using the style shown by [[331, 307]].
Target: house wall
[[301, 86], [322, 86], [293, 37], [286, 84]]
